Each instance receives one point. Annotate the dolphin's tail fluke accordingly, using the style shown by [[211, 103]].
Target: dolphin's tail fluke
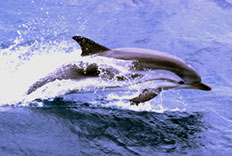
[[202, 86]]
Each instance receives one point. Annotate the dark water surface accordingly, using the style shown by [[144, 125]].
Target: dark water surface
[[35, 38], [98, 131]]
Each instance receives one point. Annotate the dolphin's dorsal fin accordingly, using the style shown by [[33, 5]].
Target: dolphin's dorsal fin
[[88, 46]]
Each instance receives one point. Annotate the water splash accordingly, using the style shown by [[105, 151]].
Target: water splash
[[23, 65]]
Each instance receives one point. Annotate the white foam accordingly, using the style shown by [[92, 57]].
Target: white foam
[[17, 73]]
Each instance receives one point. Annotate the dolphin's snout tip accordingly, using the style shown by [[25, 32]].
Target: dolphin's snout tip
[[202, 86]]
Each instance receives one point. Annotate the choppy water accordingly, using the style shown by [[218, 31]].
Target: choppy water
[[35, 39]]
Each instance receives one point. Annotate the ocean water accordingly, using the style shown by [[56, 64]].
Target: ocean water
[[36, 39]]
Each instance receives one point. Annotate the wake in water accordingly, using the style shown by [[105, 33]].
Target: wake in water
[[24, 66]]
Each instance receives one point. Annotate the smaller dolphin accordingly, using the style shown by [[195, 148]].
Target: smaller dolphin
[[70, 71], [80, 71], [145, 59]]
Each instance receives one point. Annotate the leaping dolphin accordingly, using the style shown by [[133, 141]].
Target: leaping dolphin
[[70, 71], [145, 59]]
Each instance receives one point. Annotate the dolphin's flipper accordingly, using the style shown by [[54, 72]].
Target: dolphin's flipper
[[146, 95], [88, 46]]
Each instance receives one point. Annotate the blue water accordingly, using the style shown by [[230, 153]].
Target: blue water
[[36, 38]]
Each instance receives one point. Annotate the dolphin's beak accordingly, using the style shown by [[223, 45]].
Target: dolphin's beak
[[201, 86]]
